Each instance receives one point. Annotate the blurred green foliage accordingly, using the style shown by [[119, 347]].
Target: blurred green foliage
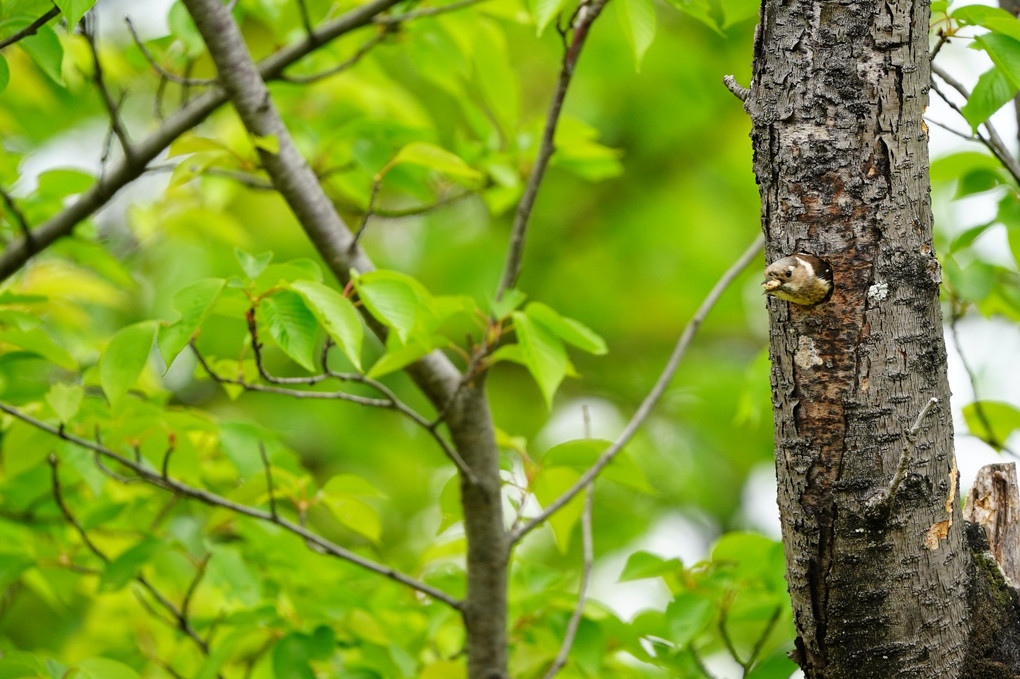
[[434, 130]]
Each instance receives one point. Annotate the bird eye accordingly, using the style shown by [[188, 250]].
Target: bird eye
[[789, 273]]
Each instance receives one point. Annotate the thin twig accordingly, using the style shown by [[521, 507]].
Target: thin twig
[[582, 596], [736, 88], [979, 409], [112, 107], [586, 15], [645, 409], [19, 216], [365, 48], [31, 29], [994, 141], [269, 480], [195, 581], [424, 12], [948, 128], [184, 490], [180, 620], [306, 21], [389, 401], [698, 662], [369, 211], [886, 495], [760, 643], [162, 72]]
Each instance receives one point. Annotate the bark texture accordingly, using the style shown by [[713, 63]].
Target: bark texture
[[992, 503], [840, 154]]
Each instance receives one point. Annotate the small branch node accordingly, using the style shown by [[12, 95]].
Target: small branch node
[[739, 91]]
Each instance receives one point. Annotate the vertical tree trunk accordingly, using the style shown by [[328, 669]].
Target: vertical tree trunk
[[840, 155]]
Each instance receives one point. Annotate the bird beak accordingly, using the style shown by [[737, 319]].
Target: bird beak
[[771, 284]]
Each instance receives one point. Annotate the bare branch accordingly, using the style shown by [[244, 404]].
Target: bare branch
[[994, 141], [424, 12], [979, 408], [163, 73], [586, 15], [376, 183], [269, 480], [18, 215], [112, 107], [146, 150], [886, 495], [180, 488], [645, 409], [180, 620], [582, 595], [365, 48], [733, 86], [31, 29]]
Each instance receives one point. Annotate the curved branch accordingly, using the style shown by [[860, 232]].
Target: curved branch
[[586, 15], [184, 490], [145, 151], [645, 409], [31, 29]]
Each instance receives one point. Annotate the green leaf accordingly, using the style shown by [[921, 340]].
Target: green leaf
[[398, 356], [337, 315], [37, 342], [580, 454], [5, 74], [74, 10], [24, 449], [993, 18], [1004, 52], [193, 303], [435, 158], [63, 182], [354, 513], [322, 642], [102, 668], [550, 485], [992, 92], [126, 566], [642, 565], [292, 324], [391, 298], [65, 399], [776, 666], [291, 657], [735, 11], [567, 329], [512, 299], [703, 10], [544, 354], [637, 18], [125, 358], [544, 11], [46, 51], [269, 143], [687, 616], [253, 265], [1000, 420]]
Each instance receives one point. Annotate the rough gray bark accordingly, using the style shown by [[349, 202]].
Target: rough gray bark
[[840, 154], [468, 417]]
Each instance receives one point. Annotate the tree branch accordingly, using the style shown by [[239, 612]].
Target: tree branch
[[19, 216], [162, 72], [31, 29], [645, 409], [127, 170], [112, 107], [994, 141], [180, 619], [582, 595], [180, 488], [586, 15]]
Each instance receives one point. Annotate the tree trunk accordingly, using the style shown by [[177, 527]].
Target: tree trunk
[[877, 575]]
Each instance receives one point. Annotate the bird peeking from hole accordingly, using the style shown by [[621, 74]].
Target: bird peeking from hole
[[800, 278]]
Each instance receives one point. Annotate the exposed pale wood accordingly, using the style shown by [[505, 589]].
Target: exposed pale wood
[[993, 503]]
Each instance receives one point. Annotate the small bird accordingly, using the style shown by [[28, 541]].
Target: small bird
[[800, 278]]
